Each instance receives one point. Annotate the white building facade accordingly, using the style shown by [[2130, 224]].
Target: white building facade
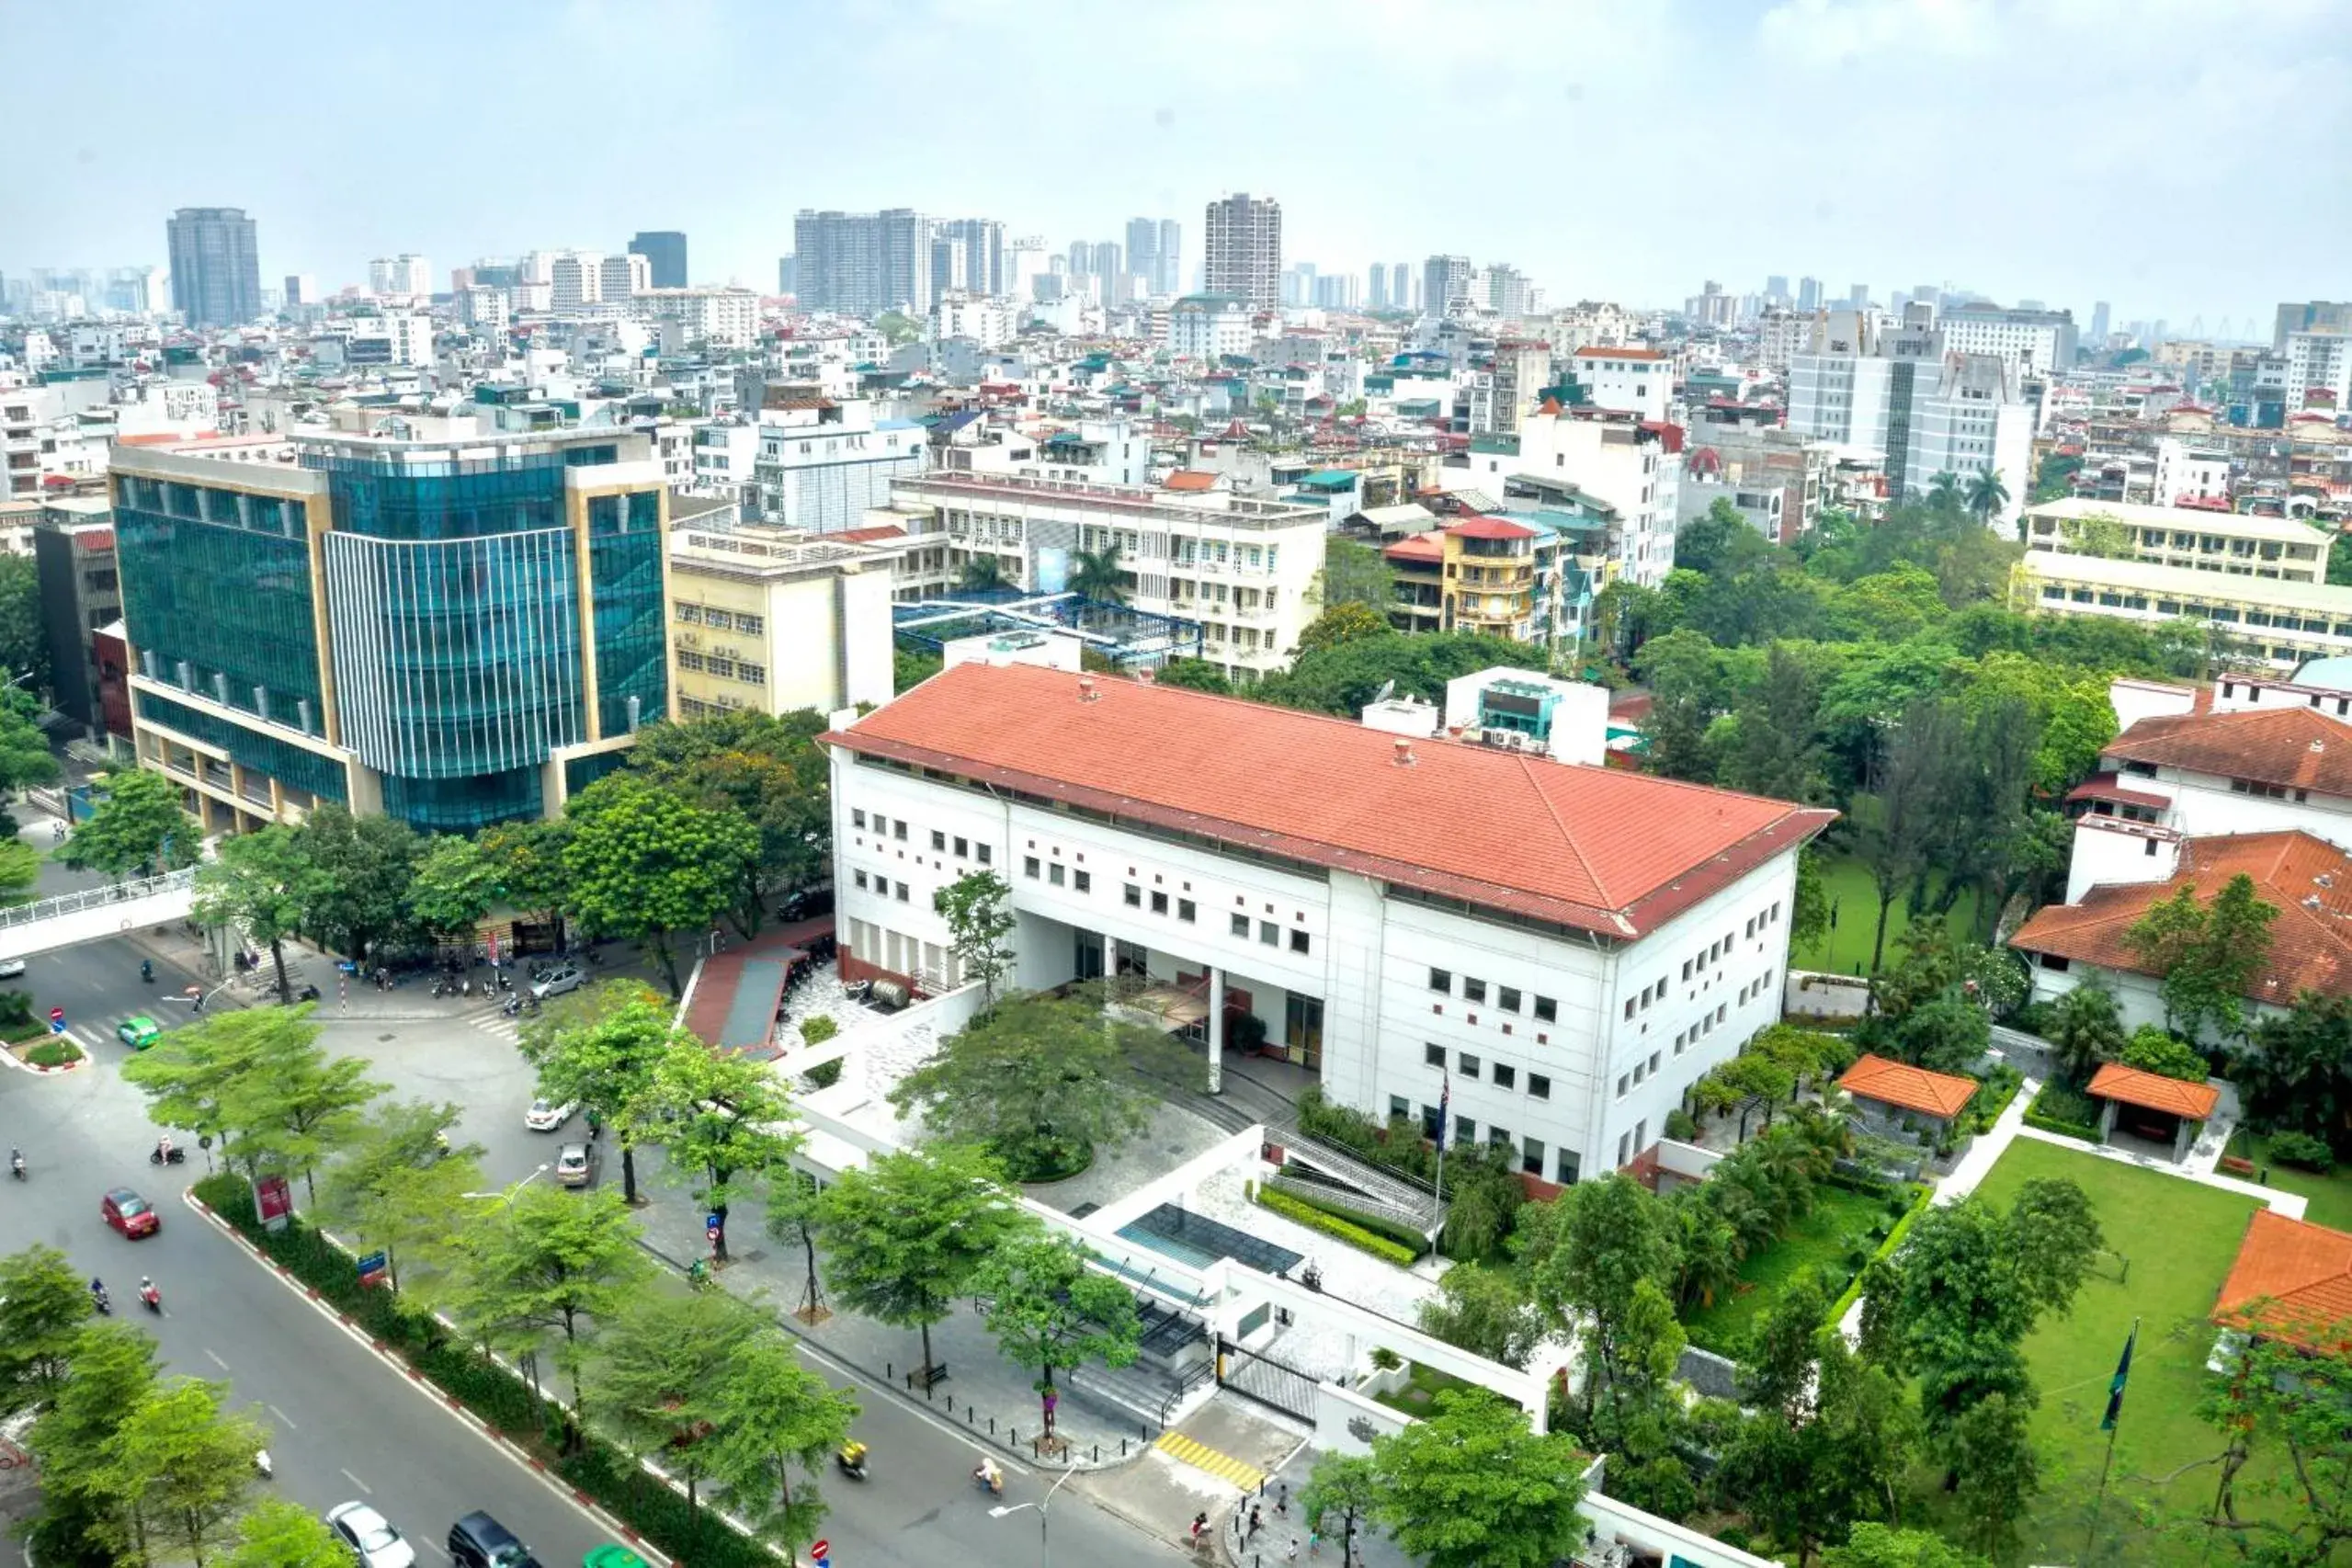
[[1389, 966], [821, 462]]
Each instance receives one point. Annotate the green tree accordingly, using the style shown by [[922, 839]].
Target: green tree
[[2101, 534], [23, 750], [540, 1261], [529, 856], [1099, 575], [643, 863], [136, 825], [1047, 1309], [1944, 492], [601, 1052], [1684, 673], [264, 883], [1779, 752], [1888, 606], [1991, 1451], [456, 883], [2151, 1050], [1809, 910], [910, 669], [1876, 1545], [1195, 675], [1485, 1311], [1987, 495], [292, 1105], [2207, 956], [1349, 620], [2285, 1492], [905, 1234], [1587, 1253], [23, 646], [979, 928], [721, 1116], [1355, 573], [1905, 809], [665, 1366], [191, 1074], [43, 1308], [183, 1467], [276, 1533], [2298, 1076], [2084, 1029], [113, 1373], [1776, 1370], [401, 1180], [768, 768], [774, 1425], [1342, 1487], [1472, 1486], [1718, 540], [1040, 1080], [897, 327], [363, 867], [984, 573]]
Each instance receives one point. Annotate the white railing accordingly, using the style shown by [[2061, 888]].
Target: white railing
[[96, 898]]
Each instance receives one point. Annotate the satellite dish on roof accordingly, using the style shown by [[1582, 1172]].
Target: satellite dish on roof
[[1388, 690]]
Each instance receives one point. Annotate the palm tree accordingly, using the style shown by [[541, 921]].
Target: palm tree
[[1709, 1251], [1986, 495], [1094, 575], [1944, 492], [982, 573]]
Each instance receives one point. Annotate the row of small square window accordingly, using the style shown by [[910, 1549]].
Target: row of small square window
[[965, 850], [1135, 896], [1502, 1074], [1465, 1131], [1506, 997], [1705, 1026], [1643, 1072], [880, 884]]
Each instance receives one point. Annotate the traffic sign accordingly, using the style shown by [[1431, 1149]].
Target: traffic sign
[[820, 1550], [710, 1224]]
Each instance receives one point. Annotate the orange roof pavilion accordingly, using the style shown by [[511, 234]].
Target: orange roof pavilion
[[2153, 1091], [1900, 1085], [2292, 1280]]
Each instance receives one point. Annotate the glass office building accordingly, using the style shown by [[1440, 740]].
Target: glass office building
[[455, 631]]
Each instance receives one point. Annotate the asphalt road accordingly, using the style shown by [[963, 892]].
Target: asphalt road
[[345, 1424]]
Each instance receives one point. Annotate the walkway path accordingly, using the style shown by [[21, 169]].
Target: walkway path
[[1988, 1148], [2290, 1204]]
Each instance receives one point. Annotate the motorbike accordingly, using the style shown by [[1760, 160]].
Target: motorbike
[[165, 1154], [99, 1300], [152, 1298], [147, 970], [852, 1461], [261, 1463], [512, 1006], [991, 1484], [16, 1165]]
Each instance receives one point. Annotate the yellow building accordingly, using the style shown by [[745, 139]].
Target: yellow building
[[776, 620]]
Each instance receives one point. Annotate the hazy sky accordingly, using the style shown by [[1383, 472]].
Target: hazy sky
[[2177, 157]]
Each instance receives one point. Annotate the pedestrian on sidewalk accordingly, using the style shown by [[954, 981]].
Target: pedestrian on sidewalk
[[1254, 1523], [1314, 1539], [1282, 1502], [1291, 1555]]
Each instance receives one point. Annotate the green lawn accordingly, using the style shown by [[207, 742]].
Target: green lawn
[[2180, 1237], [2329, 1196], [1844, 948], [1840, 1222]]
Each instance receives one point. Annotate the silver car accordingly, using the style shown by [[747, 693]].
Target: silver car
[[370, 1535], [559, 981]]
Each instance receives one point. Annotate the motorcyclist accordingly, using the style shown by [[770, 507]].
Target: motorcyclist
[[163, 1147], [147, 970], [148, 1293], [988, 1475], [853, 1457], [17, 1164], [98, 1292]]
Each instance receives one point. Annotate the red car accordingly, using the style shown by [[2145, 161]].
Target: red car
[[130, 1213]]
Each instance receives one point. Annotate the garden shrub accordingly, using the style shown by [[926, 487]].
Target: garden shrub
[[1340, 1209], [1336, 1228], [2303, 1151], [55, 1053], [817, 1030]]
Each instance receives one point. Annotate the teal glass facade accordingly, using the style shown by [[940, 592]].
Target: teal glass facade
[[281, 759], [625, 549], [216, 587]]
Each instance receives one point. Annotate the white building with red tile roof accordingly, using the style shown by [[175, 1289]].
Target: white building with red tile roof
[[1555, 952]]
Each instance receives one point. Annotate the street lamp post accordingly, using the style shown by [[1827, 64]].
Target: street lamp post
[[1044, 1509], [508, 1195]]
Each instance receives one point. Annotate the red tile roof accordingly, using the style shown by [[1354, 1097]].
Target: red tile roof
[[1191, 479], [1912, 1088], [2307, 881], [2292, 1280], [1619, 353], [1418, 547], [1489, 528], [2299, 748], [865, 535], [2153, 1091], [2106, 787], [1587, 847]]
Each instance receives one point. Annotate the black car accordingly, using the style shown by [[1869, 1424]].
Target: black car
[[806, 904], [480, 1541]]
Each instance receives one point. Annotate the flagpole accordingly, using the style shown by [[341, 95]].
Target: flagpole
[[2113, 1422]]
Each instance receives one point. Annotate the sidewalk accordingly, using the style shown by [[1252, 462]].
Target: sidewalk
[[1282, 1521], [983, 1393]]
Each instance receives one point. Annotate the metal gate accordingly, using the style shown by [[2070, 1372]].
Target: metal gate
[[1262, 1378]]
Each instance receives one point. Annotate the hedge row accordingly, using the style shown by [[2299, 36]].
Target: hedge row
[[1340, 1209], [2060, 1110], [1853, 1293], [1335, 1227], [505, 1400]]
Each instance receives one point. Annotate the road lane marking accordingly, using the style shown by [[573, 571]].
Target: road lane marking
[[359, 1483], [283, 1419], [215, 1360]]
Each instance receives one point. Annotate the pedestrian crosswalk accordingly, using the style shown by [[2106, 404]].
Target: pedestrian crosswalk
[[491, 1020], [1200, 1456]]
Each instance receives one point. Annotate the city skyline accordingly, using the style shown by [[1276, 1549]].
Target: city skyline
[[1640, 181]]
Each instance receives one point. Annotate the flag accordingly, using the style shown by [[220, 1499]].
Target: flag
[[1445, 1104], [2122, 1376]]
